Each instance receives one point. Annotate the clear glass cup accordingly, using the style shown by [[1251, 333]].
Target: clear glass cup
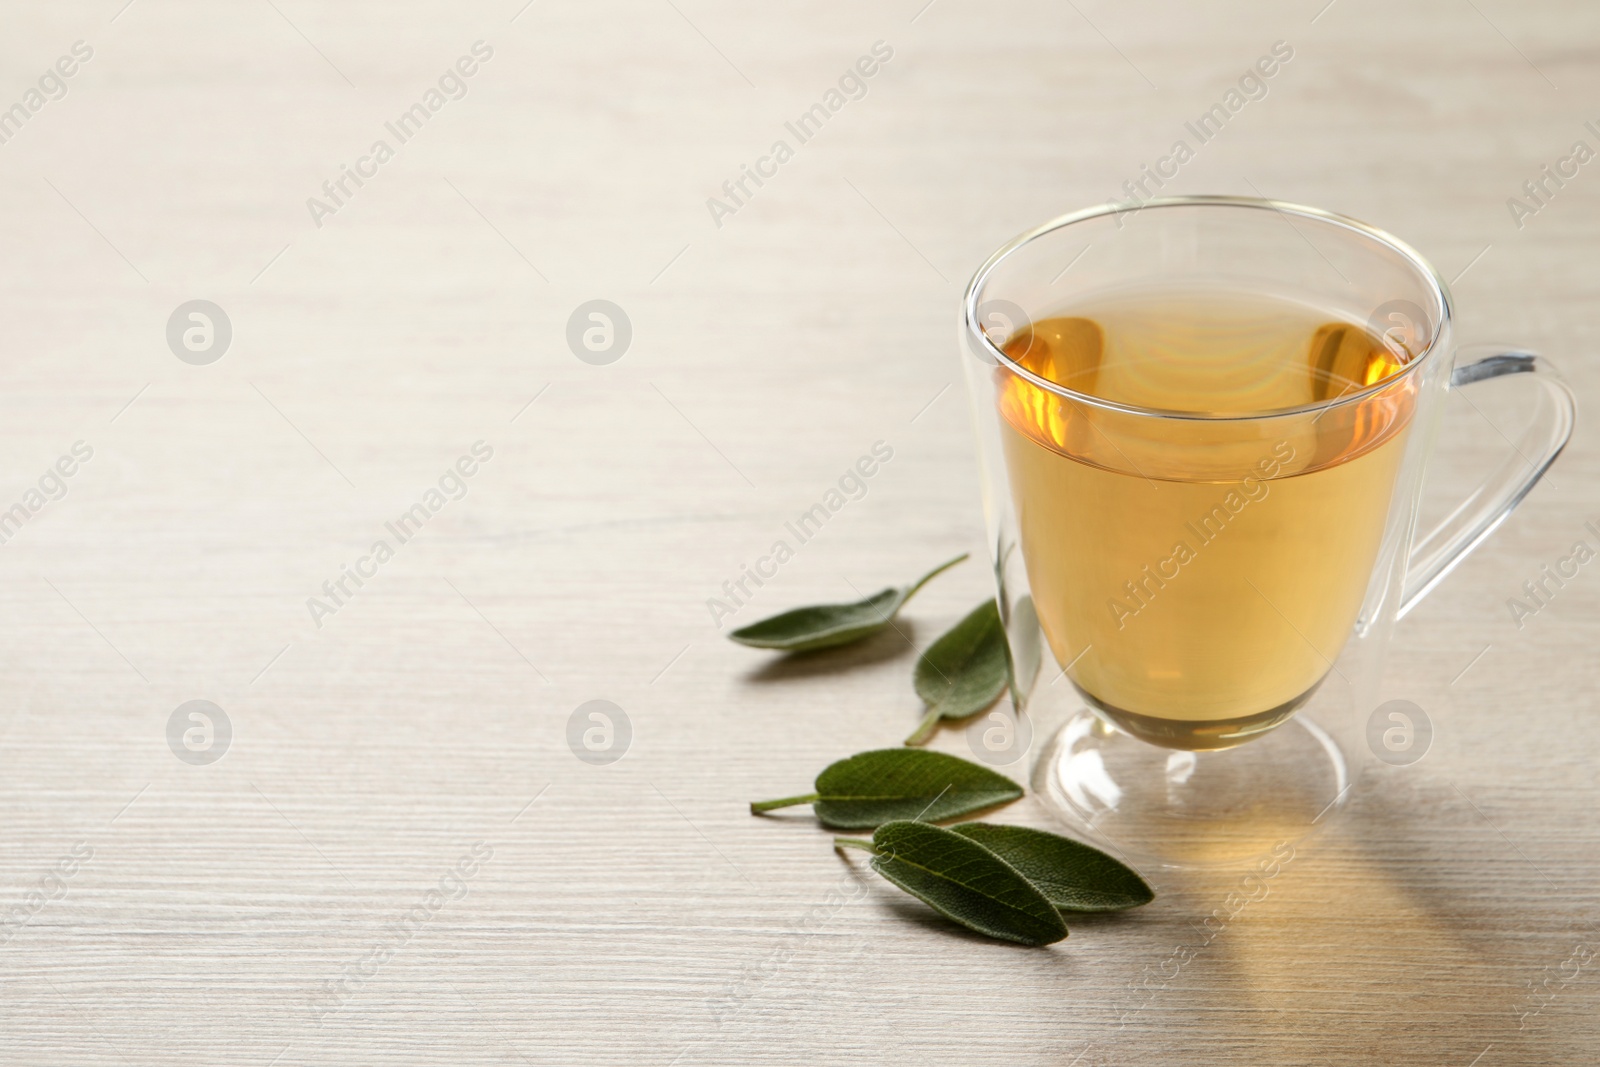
[[1203, 599]]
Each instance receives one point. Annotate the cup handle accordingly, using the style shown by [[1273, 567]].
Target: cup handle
[[1436, 554]]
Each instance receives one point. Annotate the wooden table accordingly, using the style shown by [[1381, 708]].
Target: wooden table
[[399, 858]]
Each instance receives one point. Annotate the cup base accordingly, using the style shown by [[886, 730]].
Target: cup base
[[1198, 736], [1178, 808]]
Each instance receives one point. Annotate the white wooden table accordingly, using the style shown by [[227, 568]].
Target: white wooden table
[[274, 906]]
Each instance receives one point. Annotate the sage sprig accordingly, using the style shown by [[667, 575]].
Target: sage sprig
[[964, 671], [1007, 882], [994, 879], [831, 625], [963, 881], [886, 784], [1073, 875]]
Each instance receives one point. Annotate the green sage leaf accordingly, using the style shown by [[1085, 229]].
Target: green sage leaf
[[964, 671], [873, 788], [965, 882], [1072, 875], [831, 625]]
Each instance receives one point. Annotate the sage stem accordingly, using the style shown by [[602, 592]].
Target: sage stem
[[759, 806], [926, 728], [854, 842]]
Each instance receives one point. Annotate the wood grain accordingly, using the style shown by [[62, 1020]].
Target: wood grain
[[635, 913]]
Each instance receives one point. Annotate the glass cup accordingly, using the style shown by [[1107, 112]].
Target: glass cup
[[1206, 596]]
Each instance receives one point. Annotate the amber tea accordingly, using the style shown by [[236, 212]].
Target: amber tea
[[1197, 597]]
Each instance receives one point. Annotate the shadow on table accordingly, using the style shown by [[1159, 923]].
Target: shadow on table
[[1407, 933]]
